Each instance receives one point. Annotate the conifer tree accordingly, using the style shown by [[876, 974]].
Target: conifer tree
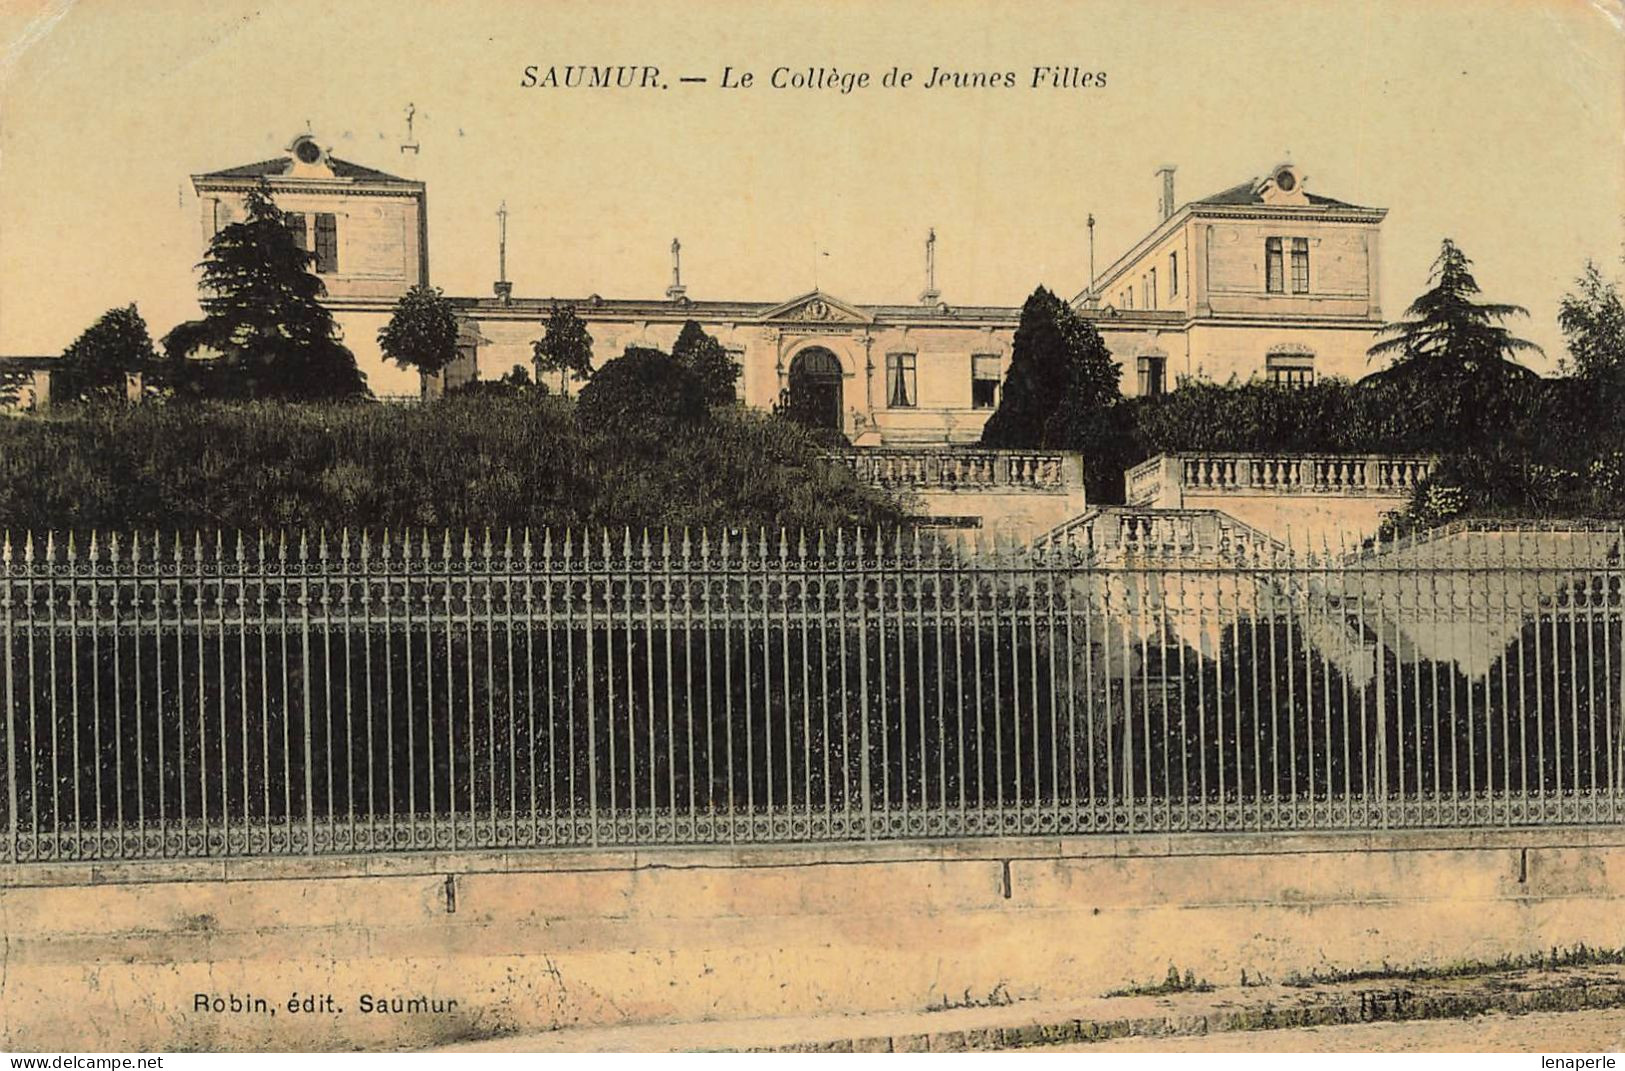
[[264, 331], [1447, 335], [1061, 378], [703, 357], [94, 367]]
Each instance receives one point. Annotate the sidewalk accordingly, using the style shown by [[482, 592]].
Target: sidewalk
[[1027, 1024]]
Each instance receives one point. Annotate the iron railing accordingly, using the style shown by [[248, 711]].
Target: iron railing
[[171, 696]]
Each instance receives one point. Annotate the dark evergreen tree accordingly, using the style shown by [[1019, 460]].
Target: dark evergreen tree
[[704, 358], [1452, 375], [95, 367], [1447, 335], [1036, 378], [565, 347], [422, 331], [265, 332], [641, 391], [1063, 391]]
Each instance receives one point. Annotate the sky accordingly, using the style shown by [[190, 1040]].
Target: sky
[[1497, 123]]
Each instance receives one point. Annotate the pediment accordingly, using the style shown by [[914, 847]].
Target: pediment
[[817, 308]]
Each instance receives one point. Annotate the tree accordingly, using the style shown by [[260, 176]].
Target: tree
[[565, 347], [264, 329], [11, 387], [1447, 336], [1452, 375], [1593, 323], [422, 332], [94, 367], [641, 391], [1061, 380], [705, 359]]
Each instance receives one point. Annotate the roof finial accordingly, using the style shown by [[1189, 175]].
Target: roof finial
[[410, 144], [504, 289], [930, 295], [1090, 298], [676, 291]]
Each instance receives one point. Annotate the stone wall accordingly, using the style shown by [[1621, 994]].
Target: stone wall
[[114, 957]]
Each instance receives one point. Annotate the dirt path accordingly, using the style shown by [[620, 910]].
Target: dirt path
[[1553, 1032]]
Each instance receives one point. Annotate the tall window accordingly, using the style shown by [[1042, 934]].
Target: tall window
[[1290, 369], [1173, 274], [1128, 298], [984, 381], [900, 388], [1153, 374], [1300, 265], [327, 243], [1153, 290], [295, 222], [1274, 281]]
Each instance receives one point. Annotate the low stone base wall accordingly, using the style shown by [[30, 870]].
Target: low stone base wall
[[181, 955]]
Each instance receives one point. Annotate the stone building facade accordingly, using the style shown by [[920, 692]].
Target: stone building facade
[[1262, 280]]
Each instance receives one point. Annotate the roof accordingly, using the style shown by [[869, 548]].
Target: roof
[[1247, 193], [282, 164]]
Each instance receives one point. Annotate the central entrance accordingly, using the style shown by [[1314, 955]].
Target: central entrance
[[815, 388]]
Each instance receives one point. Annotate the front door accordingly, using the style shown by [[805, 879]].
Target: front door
[[815, 389]]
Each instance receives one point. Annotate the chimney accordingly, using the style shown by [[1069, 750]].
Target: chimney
[[1166, 205]]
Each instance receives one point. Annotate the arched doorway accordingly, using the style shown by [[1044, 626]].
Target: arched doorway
[[815, 389]]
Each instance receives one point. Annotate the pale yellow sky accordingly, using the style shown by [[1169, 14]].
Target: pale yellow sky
[[1496, 123]]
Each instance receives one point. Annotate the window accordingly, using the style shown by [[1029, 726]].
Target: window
[[327, 243], [1173, 274], [296, 224], [1293, 369], [1153, 369], [900, 388], [1300, 265], [1273, 282], [984, 381], [1153, 290], [1128, 298]]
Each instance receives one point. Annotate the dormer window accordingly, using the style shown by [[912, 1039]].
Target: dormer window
[[1286, 180], [306, 151]]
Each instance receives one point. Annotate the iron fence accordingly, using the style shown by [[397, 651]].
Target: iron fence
[[170, 696]]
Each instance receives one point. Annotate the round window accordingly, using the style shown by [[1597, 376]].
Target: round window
[[1285, 181], [307, 151]]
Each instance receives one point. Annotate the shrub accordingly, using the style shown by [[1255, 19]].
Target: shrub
[[641, 390], [463, 462]]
